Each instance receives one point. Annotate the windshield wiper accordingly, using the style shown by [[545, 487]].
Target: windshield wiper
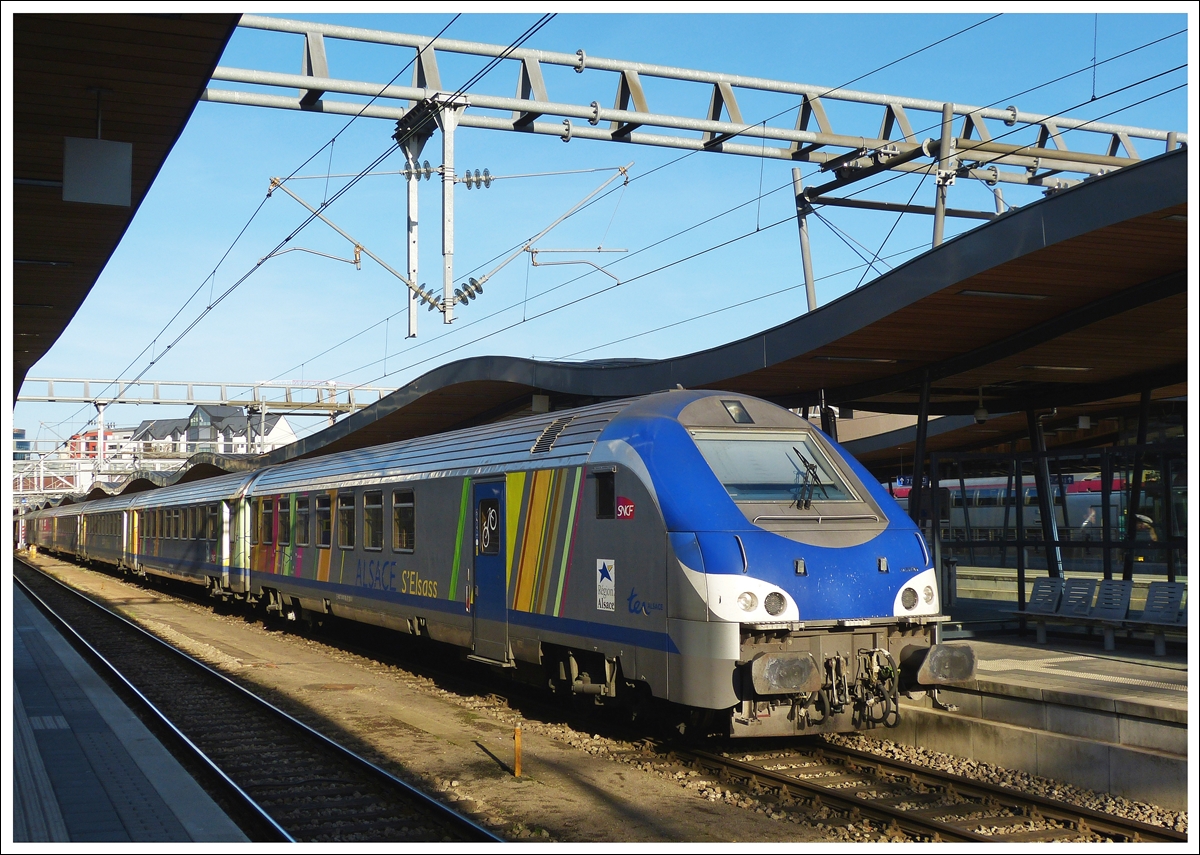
[[804, 499]]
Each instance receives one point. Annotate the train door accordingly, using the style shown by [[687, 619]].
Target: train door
[[236, 515], [490, 600], [129, 529]]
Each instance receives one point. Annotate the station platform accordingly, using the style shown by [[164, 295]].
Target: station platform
[[85, 769], [1068, 710]]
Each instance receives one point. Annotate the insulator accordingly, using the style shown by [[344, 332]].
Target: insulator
[[487, 178], [476, 285], [428, 170], [458, 295]]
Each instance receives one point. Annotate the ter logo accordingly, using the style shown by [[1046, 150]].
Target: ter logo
[[624, 508]]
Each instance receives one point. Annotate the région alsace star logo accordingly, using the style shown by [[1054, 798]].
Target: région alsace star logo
[[606, 584]]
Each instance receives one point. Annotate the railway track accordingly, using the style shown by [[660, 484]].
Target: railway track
[[286, 781], [903, 800], [907, 801]]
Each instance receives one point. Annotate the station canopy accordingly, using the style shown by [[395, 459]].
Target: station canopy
[[123, 78], [1077, 302]]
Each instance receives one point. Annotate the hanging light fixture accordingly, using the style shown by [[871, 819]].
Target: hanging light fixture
[[981, 413]]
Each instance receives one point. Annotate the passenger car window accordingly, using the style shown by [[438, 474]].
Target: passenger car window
[[606, 495], [373, 519], [302, 521], [268, 521], [403, 521], [324, 522], [345, 521], [285, 521]]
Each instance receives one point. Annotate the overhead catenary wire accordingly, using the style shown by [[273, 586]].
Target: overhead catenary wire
[[637, 277], [491, 64], [629, 280], [211, 278], [860, 77], [576, 279]]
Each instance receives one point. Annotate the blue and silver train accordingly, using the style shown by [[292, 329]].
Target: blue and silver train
[[707, 549]]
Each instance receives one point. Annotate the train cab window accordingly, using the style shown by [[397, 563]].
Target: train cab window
[[606, 495], [302, 521], [345, 521], [254, 522], [285, 521], [268, 521], [404, 527], [324, 523], [373, 519], [772, 466]]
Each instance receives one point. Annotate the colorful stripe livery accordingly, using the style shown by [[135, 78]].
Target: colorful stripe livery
[[542, 535]]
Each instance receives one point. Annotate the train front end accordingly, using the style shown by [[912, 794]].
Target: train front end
[[801, 598]]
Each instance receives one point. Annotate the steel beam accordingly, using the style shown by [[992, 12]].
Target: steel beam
[[582, 131], [1037, 441], [802, 210], [580, 62], [899, 208], [330, 397]]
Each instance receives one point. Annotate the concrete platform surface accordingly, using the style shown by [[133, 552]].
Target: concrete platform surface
[[1083, 673], [85, 769], [1113, 722]]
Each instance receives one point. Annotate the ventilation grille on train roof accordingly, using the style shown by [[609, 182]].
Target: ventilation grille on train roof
[[545, 442]]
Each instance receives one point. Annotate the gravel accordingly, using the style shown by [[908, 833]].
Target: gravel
[[828, 823], [1017, 780]]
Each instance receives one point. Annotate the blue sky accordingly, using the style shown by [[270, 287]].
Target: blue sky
[[277, 322]]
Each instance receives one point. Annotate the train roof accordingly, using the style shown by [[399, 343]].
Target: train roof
[[549, 440], [563, 438]]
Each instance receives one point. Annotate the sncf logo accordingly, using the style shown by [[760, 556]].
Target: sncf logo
[[624, 508]]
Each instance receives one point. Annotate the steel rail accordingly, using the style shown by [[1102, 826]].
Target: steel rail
[[863, 762], [445, 813], [904, 820], [238, 795], [1049, 808]]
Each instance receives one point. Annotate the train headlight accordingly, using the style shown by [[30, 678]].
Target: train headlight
[[774, 603], [747, 601], [929, 593], [908, 598]]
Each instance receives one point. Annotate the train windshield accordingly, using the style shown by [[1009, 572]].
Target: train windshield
[[781, 466]]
